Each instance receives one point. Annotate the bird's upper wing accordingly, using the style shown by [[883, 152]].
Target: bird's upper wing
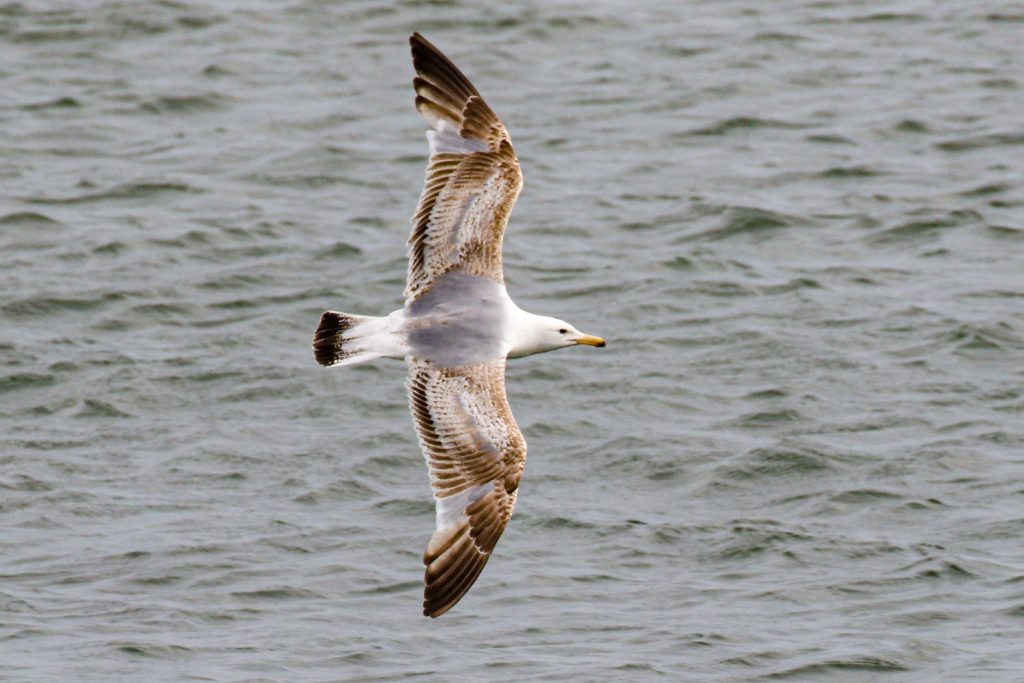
[[473, 177], [475, 454]]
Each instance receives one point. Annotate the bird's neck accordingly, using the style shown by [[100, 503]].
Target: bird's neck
[[527, 333]]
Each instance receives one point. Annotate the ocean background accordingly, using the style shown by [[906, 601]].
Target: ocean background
[[799, 224]]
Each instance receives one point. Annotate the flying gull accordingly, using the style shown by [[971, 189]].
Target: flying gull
[[457, 328]]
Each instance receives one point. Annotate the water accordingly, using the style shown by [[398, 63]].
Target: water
[[800, 227]]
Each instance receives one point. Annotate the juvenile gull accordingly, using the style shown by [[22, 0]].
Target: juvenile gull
[[457, 328]]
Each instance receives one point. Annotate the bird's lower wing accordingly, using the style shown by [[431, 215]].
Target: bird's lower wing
[[475, 454]]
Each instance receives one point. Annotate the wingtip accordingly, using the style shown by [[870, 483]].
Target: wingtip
[[417, 40], [420, 48], [435, 613]]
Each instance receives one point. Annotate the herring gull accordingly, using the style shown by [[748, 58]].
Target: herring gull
[[457, 328]]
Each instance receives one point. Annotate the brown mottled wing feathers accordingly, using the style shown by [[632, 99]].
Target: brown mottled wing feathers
[[472, 180], [475, 454]]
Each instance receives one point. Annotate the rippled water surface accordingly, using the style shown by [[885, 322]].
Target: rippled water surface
[[799, 224]]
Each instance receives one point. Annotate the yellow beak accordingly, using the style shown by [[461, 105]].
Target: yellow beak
[[590, 341]]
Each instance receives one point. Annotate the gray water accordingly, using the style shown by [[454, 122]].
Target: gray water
[[799, 224]]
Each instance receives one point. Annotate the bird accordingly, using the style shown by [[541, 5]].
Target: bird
[[457, 328]]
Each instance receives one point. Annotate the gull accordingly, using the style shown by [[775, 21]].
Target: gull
[[457, 328]]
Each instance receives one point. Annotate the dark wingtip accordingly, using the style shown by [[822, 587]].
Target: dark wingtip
[[435, 614], [417, 40]]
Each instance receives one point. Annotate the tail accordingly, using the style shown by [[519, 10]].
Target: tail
[[341, 339]]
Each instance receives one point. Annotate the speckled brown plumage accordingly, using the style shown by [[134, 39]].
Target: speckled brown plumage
[[475, 454], [472, 180]]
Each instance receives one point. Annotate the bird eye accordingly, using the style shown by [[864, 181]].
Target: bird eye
[[562, 331]]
